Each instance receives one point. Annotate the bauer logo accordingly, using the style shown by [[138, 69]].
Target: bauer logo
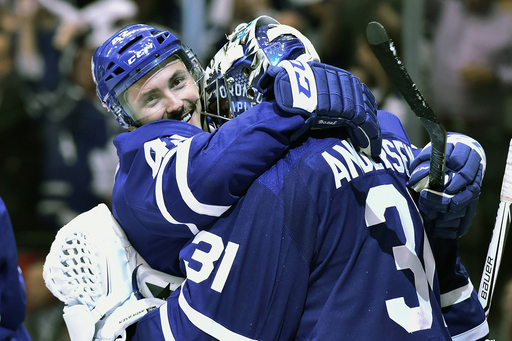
[[146, 48]]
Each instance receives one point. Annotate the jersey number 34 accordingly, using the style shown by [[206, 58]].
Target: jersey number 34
[[410, 318]]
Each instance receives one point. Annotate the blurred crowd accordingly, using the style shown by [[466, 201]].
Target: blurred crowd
[[58, 159]]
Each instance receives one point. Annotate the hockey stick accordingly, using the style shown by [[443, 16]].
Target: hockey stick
[[499, 237], [384, 49]]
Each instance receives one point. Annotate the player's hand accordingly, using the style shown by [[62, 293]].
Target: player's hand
[[449, 211], [327, 97]]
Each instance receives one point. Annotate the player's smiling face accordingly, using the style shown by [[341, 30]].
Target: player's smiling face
[[168, 92]]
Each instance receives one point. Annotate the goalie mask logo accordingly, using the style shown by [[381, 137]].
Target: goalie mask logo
[[233, 74], [236, 91]]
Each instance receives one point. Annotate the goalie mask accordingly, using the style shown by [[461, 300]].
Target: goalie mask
[[127, 57], [233, 73]]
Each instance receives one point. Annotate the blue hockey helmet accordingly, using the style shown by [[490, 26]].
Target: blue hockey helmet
[[233, 73], [129, 55]]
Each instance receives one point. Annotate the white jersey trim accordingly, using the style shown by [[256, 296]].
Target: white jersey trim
[[473, 334], [160, 196], [182, 157], [164, 321], [457, 295], [206, 324]]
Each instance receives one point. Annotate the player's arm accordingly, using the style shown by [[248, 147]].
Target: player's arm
[[448, 214], [461, 308], [196, 179], [12, 287]]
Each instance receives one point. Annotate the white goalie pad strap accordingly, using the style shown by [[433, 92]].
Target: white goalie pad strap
[[80, 323], [113, 327]]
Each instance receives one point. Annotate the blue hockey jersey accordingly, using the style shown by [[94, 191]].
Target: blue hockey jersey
[[326, 245], [174, 179], [12, 287]]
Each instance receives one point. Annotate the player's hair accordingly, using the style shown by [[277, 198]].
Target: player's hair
[[130, 54], [233, 73]]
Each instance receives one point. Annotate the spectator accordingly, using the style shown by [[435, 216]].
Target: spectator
[[470, 80], [80, 159], [20, 156]]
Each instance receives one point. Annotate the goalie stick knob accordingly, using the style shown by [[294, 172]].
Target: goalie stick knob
[[376, 34]]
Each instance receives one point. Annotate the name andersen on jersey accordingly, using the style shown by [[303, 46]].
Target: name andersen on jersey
[[346, 164]]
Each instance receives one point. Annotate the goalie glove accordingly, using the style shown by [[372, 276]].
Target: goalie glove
[[89, 268], [449, 211], [327, 97]]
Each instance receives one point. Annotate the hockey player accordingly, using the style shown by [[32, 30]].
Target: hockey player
[[13, 301], [173, 178], [324, 244], [327, 244]]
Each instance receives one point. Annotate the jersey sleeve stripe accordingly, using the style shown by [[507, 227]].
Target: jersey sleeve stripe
[[474, 334], [206, 324], [457, 295], [164, 320], [182, 157], [160, 197]]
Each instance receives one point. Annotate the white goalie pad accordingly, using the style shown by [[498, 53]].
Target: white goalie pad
[[89, 268]]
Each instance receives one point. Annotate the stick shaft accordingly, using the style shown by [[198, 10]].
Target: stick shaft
[[384, 49], [498, 240]]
